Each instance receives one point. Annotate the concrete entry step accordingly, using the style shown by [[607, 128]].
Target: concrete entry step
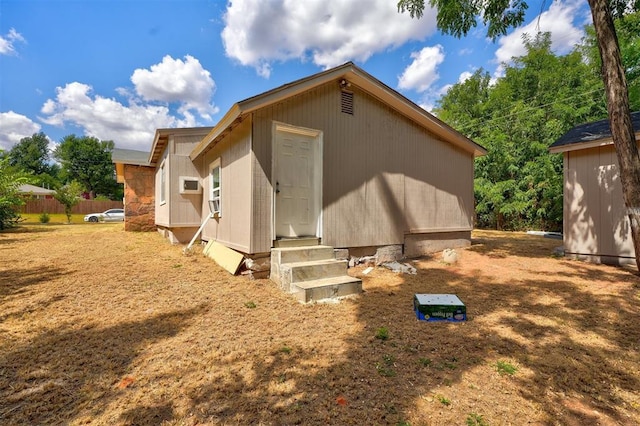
[[293, 273], [302, 254], [312, 273], [326, 288], [296, 242]]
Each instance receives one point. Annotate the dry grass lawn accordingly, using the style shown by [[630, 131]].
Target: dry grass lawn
[[99, 326]]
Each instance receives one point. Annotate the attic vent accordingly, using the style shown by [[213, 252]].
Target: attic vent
[[347, 102]]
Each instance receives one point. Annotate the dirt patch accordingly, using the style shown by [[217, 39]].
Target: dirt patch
[[101, 326]]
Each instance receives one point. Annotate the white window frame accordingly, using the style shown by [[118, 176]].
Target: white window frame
[[163, 183], [215, 193]]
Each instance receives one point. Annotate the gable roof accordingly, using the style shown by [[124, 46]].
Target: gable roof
[[130, 156], [120, 157], [161, 139], [35, 190], [590, 135], [353, 75]]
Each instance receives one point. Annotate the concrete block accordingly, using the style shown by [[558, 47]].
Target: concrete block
[[258, 265], [341, 254], [388, 254]]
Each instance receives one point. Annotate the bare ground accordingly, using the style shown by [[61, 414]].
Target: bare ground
[[99, 326]]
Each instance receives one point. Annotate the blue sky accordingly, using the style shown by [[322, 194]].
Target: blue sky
[[119, 69]]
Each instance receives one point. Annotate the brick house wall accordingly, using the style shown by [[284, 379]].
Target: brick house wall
[[139, 207]]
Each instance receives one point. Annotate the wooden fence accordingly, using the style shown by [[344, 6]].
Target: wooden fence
[[54, 206]]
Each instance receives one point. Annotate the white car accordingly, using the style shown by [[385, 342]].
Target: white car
[[111, 215]]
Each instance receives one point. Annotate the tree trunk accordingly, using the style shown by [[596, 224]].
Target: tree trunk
[[622, 132]]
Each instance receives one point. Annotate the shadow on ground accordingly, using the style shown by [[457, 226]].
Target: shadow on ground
[[576, 354], [60, 371]]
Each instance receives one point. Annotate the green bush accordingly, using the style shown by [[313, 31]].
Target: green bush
[[44, 217]]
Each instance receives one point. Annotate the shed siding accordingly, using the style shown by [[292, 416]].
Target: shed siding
[[233, 228], [594, 221], [383, 175]]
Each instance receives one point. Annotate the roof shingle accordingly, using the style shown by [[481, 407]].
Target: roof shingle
[[589, 132]]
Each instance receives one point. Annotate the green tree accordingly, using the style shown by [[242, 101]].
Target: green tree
[[628, 30], [519, 183], [88, 161], [69, 196], [10, 199], [31, 155], [458, 17]]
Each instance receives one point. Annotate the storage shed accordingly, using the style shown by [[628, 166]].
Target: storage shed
[[596, 227]]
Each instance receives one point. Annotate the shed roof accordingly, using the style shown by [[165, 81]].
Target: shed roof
[[589, 135], [352, 74]]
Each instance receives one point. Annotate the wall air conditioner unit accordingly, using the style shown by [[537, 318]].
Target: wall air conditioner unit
[[190, 185]]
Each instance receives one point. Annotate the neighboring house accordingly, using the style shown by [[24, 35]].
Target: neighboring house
[[36, 192], [337, 158], [596, 226]]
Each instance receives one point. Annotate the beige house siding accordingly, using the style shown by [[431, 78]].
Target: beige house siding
[[233, 227], [262, 198], [595, 226], [383, 175]]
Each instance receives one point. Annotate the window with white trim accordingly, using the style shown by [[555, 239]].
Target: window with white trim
[[214, 188], [163, 180]]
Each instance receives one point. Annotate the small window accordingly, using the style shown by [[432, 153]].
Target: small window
[[214, 194], [163, 179]]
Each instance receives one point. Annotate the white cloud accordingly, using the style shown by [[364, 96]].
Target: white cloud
[[14, 127], [132, 124], [464, 76], [129, 126], [558, 20], [329, 32], [7, 42], [427, 105], [422, 72], [174, 80]]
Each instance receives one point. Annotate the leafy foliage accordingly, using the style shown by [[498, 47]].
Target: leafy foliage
[[87, 160], [69, 196], [10, 199], [519, 183], [628, 30], [31, 155], [457, 17]]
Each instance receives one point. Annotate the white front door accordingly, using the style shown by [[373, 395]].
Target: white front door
[[297, 182]]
